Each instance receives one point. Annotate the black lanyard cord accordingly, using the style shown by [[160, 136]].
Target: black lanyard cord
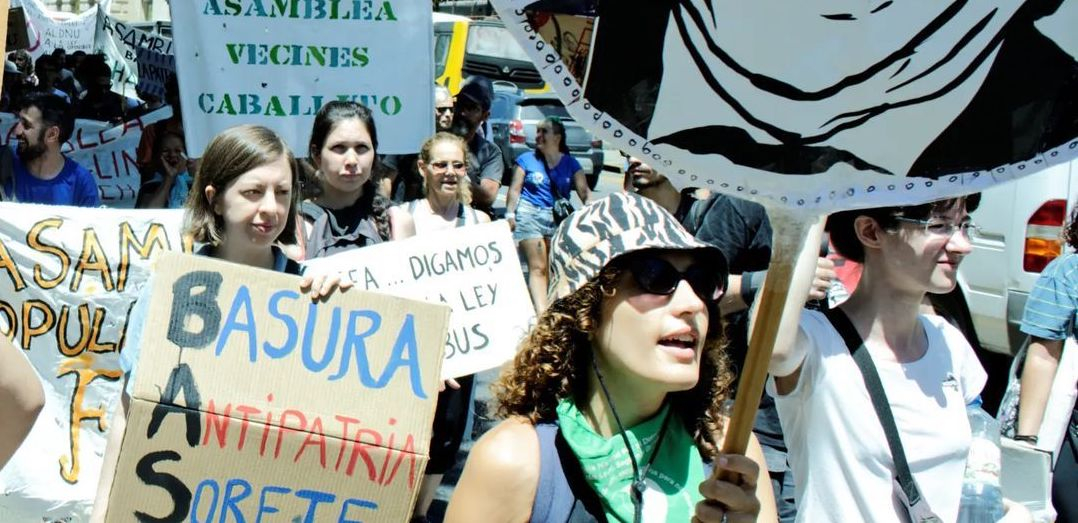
[[639, 476]]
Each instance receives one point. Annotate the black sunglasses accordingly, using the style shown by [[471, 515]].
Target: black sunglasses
[[658, 276]]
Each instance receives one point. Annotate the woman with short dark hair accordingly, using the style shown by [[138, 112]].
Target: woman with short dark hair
[[838, 451]]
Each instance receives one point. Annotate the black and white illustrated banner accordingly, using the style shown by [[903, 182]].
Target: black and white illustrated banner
[[816, 105]]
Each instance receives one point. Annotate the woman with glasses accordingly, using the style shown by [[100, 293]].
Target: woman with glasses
[[541, 177], [838, 449], [613, 404], [443, 164]]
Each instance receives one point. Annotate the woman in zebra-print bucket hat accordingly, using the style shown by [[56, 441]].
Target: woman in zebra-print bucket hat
[[613, 405]]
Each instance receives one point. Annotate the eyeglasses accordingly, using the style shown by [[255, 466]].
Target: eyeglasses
[[657, 276], [944, 229], [444, 110], [443, 166]]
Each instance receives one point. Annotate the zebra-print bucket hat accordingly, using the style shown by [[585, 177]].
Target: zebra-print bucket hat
[[607, 228]]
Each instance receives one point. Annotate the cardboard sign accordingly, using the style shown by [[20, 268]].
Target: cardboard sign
[[154, 69], [474, 270], [816, 107], [107, 151], [122, 45], [68, 278], [71, 34], [17, 37], [250, 400], [276, 63]]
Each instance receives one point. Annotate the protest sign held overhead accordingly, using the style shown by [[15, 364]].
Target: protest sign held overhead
[[474, 270], [124, 46], [17, 37], [46, 33], [814, 108], [276, 63], [250, 399], [154, 70], [68, 277]]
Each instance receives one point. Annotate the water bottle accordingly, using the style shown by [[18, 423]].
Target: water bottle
[[982, 501]]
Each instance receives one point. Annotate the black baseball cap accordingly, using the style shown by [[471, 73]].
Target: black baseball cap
[[478, 89]]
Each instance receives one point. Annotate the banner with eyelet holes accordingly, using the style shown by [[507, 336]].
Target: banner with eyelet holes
[[816, 107]]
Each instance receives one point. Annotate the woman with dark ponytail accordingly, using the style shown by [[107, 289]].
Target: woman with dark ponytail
[[348, 213]]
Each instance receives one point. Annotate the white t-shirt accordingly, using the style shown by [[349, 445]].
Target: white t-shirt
[[837, 448]]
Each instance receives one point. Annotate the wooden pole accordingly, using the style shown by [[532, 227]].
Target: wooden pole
[[4, 6], [795, 246]]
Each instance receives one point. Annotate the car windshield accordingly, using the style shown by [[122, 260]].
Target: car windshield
[[495, 42], [443, 35], [502, 107]]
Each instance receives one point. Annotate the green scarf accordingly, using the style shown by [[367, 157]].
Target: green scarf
[[672, 481]]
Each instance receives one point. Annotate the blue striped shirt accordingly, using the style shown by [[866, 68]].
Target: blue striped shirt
[[1052, 308]]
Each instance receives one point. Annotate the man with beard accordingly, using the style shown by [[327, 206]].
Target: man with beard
[[485, 164], [689, 205], [40, 172]]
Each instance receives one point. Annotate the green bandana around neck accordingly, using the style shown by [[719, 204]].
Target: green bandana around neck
[[672, 481]]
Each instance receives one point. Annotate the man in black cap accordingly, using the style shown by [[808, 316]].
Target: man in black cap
[[485, 164]]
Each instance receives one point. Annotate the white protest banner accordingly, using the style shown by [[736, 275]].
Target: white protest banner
[[122, 44], [109, 152], [68, 278], [47, 33], [154, 69], [250, 399], [276, 63], [474, 270]]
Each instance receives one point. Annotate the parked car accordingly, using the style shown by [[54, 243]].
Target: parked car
[[463, 47], [513, 118]]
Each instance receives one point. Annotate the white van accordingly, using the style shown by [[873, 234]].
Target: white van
[[1021, 225]]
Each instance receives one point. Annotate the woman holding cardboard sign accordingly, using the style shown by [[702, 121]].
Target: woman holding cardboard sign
[[242, 205], [348, 213], [614, 402]]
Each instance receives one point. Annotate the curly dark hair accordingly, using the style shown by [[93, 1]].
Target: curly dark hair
[[555, 358]]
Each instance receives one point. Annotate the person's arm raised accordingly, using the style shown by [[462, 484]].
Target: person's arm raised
[[500, 478]]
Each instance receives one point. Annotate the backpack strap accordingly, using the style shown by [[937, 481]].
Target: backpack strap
[[562, 495], [904, 484]]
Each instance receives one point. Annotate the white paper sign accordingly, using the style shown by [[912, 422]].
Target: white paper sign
[[475, 270], [122, 45], [68, 278], [46, 34], [276, 63]]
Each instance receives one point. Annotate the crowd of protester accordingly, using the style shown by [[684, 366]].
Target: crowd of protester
[[598, 421]]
